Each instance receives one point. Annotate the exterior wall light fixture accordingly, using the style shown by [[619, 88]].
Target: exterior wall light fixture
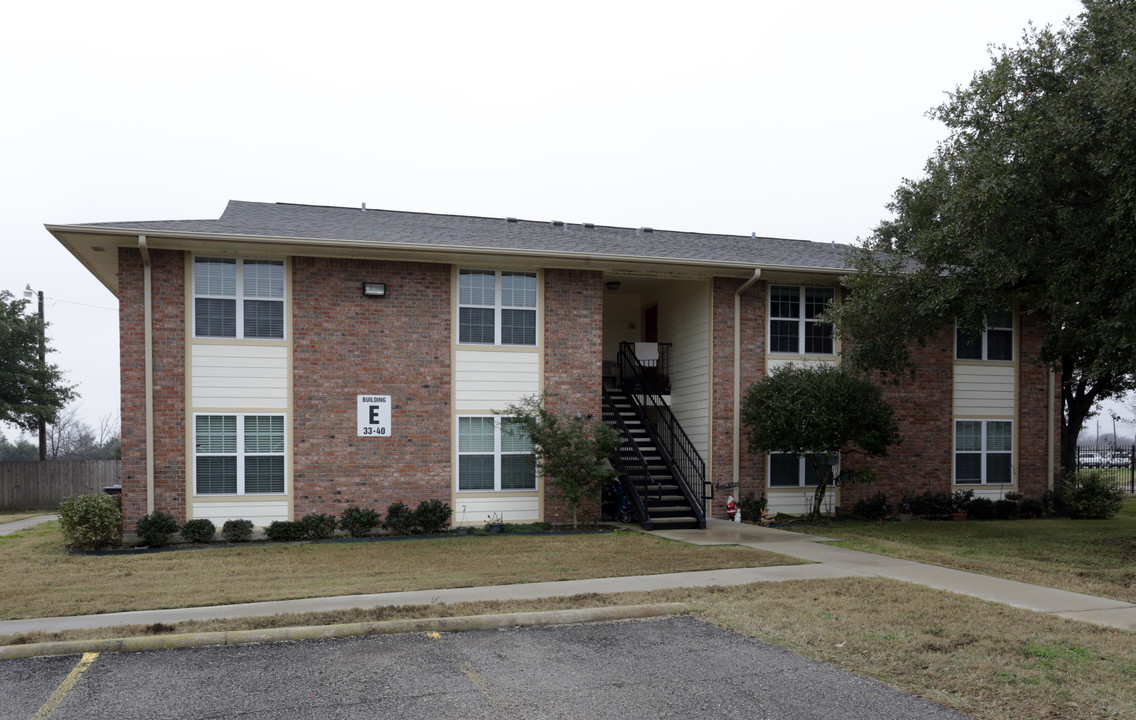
[[374, 289], [612, 284]]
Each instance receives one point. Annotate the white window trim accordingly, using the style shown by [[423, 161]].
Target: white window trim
[[985, 343], [982, 453], [498, 307], [240, 454], [497, 454], [801, 472], [802, 321], [238, 298]]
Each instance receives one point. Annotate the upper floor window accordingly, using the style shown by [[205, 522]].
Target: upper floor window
[[794, 326], [996, 342], [234, 298], [497, 307]]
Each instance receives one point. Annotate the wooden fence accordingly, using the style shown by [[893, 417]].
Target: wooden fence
[[38, 485]]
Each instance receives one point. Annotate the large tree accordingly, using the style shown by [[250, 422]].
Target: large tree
[[1030, 201], [820, 412], [30, 390]]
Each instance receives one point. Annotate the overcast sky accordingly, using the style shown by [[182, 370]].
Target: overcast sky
[[785, 119]]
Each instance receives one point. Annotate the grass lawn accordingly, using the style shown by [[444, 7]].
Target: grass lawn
[[987, 660], [39, 579], [1096, 557]]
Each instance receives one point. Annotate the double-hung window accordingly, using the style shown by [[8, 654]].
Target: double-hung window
[[984, 452], [787, 470], [494, 455], [238, 454], [497, 307], [794, 324], [996, 342], [235, 298]]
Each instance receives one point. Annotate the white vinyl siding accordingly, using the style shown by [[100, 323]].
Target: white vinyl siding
[[510, 508], [684, 321], [490, 380], [259, 512], [239, 376], [981, 390]]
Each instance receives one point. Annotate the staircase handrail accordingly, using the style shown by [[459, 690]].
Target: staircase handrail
[[683, 458], [642, 469]]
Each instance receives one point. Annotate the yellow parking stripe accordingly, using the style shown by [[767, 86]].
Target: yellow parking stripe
[[56, 698]]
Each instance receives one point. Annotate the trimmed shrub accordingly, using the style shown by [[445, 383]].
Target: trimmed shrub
[[929, 505], [357, 521], [1005, 509], [155, 528], [237, 531], [960, 500], [1090, 495], [432, 515], [201, 531], [90, 520], [1031, 506], [284, 531], [400, 519], [318, 527], [751, 506], [874, 507], [981, 508]]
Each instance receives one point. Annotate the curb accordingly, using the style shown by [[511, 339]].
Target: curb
[[318, 632]]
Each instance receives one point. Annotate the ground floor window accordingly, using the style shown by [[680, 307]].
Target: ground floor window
[[238, 454], [494, 455], [984, 452], [786, 470]]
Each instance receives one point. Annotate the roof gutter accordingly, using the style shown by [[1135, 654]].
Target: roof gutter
[[738, 376], [148, 332]]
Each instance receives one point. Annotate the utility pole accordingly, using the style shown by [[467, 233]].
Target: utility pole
[[42, 363]]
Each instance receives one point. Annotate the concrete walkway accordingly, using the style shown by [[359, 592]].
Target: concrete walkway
[[832, 562], [15, 527]]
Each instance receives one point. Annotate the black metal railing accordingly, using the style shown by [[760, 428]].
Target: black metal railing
[[682, 458], [1117, 462], [656, 371], [634, 470]]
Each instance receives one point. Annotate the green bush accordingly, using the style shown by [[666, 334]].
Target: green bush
[[201, 530], [960, 500], [751, 506], [285, 531], [929, 505], [873, 507], [432, 515], [357, 521], [90, 520], [237, 531], [155, 528], [981, 508], [1090, 495], [1005, 509], [400, 519], [1031, 506], [318, 527]]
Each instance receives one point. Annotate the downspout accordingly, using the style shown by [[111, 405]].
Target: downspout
[[149, 341], [1049, 427], [738, 378]]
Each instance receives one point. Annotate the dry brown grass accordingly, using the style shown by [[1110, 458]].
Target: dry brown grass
[[39, 579], [988, 660]]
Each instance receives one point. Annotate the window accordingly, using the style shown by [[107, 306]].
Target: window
[[494, 456], [793, 324], [496, 308], [786, 470], [238, 454], [995, 343], [218, 285], [984, 452]]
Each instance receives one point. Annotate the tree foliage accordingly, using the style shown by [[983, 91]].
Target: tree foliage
[[820, 412], [29, 390], [573, 450], [1030, 201]]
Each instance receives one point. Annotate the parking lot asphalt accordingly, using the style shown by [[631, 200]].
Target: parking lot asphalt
[[675, 667]]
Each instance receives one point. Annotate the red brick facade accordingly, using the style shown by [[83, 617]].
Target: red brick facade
[[346, 344]]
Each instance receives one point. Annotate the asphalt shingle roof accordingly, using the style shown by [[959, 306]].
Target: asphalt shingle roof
[[313, 222]]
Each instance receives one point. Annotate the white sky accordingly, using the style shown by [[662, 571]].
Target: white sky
[[785, 119]]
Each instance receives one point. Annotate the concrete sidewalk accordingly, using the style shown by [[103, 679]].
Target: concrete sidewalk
[[832, 562], [17, 526]]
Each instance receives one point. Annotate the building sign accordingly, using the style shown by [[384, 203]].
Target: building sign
[[374, 415]]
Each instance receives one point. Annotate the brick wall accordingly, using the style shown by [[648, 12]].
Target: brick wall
[[168, 306], [752, 475], [344, 345], [1032, 455], [573, 355]]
